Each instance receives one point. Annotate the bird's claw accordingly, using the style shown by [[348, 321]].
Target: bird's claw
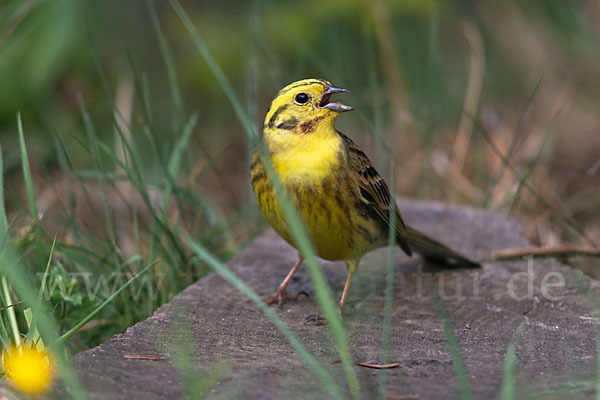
[[280, 295], [303, 293], [315, 319]]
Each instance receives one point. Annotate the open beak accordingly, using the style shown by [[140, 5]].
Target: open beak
[[335, 105]]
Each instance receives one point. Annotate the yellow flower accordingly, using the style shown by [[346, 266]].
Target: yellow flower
[[29, 369]]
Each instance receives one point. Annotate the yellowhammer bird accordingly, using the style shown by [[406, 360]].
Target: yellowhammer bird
[[343, 201]]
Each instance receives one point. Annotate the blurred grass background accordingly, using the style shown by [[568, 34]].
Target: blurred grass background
[[490, 104]]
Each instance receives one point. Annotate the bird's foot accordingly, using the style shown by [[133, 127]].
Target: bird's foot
[[280, 296]]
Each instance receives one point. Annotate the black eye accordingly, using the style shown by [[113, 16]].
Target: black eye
[[301, 98]]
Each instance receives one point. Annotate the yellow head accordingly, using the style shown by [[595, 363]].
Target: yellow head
[[302, 112]]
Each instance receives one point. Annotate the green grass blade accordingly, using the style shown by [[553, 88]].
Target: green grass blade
[[175, 159], [512, 145], [563, 219], [295, 223], [389, 290], [93, 147], [510, 366], [4, 334], [305, 247], [32, 324], [182, 353], [46, 271], [3, 220], [169, 65], [67, 335], [217, 71], [16, 274], [321, 373], [455, 354], [69, 210], [27, 171], [134, 173], [4, 237], [33, 210], [598, 364], [134, 177], [181, 145], [531, 165], [10, 312]]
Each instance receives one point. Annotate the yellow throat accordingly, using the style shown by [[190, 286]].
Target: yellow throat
[[299, 133]]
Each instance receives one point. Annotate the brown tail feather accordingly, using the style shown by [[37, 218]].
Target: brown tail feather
[[432, 249]]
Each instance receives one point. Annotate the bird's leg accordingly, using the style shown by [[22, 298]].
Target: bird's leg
[[352, 266], [318, 319], [280, 293]]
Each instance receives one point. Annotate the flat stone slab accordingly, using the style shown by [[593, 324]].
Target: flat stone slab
[[239, 353]]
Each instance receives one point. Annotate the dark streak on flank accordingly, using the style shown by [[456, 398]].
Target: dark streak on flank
[[325, 209], [350, 242], [339, 200], [282, 108], [299, 201], [327, 186], [364, 232], [255, 161], [309, 194], [310, 125], [258, 176]]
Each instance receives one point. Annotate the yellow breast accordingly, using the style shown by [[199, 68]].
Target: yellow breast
[[310, 160], [316, 182]]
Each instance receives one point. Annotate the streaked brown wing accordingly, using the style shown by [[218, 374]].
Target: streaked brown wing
[[374, 190]]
